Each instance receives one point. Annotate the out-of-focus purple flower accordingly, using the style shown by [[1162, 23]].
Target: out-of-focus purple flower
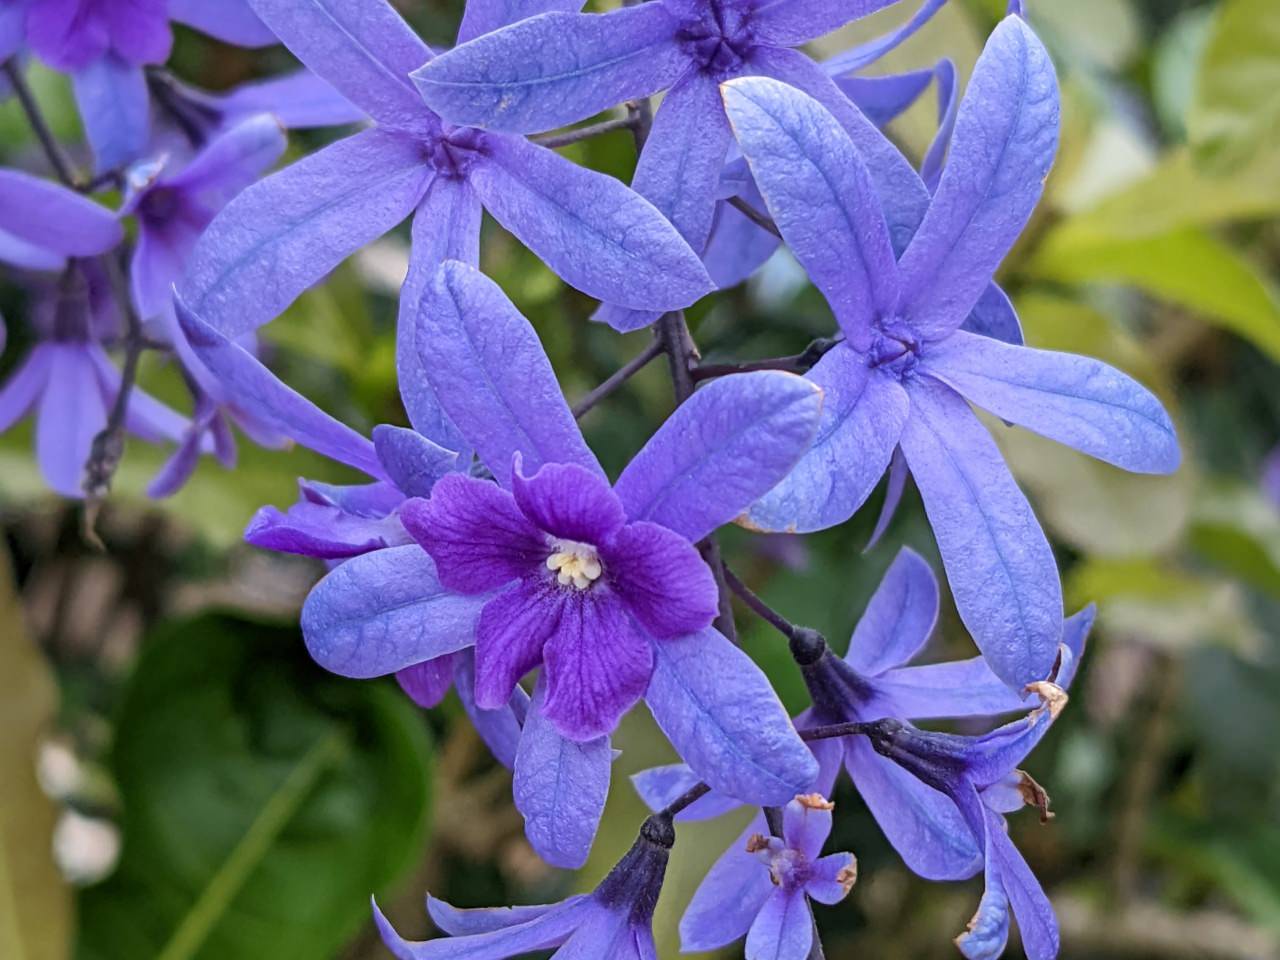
[[104, 45], [781, 926], [980, 776], [563, 66], [69, 384], [285, 234], [1271, 477], [44, 223], [614, 922], [902, 373]]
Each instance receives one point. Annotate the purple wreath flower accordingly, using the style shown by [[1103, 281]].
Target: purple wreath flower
[[902, 374], [562, 66], [624, 623], [104, 45], [286, 233], [1271, 477], [614, 921], [980, 776]]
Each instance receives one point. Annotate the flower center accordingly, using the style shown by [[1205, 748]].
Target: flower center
[[895, 351], [456, 151], [574, 563], [720, 39]]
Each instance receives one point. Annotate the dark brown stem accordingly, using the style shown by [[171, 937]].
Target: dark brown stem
[[58, 158], [686, 799], [761, 220], [758, 606], [619, 377], [579, 134], [851, 729], [794, 363]]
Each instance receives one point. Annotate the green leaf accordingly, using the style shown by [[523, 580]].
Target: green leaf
[[1186, 267], [35, 903], [1237, 529], [264, 801], [1236, 112]]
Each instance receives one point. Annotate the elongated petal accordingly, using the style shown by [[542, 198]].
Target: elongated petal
[[783, 929], [362, 47], [232, 21], [994, 316], [679, 170], [1036, 921], [233, 160], [1075, 633], [962, 688], [568, 501], [820, 195], [553, 69], [500, 728], [722, 716], [115, 110], [597, 665], [540, 933], [52, 217], [259, 391], [899, 619], [298, 100], [427, 682], [560, 787], [597, 234], [924, 826], [722, 449], [894, 488], [475, 532], [999, 563], [283, 235], [513, 630], [26, 255], [485, 16], [319, 530], [737, 246], [1005, 137], [159, 257], [413, 463], [867, 53], [1075, 400], [382, 611], [863, 412], [24, 386], [488, 370], [662, 579], [883, 98], [467, 923], [832, 877], [987, 933], [805, 827], [729, 897], [446, 226], [792, 22], [659, 786], [72, 412]]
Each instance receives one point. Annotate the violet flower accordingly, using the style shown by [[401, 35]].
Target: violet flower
[[562, 66], [980, 776], [615, 921], [1271, 477], [43, 223], [286, 233], [631, 618], [104, 46], [903, 371]]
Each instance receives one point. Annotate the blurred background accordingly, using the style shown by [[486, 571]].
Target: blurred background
[[178, 780]]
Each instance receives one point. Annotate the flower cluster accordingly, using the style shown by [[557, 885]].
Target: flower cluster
[[487, 543]]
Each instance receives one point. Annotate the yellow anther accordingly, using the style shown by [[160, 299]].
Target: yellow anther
[[575, 564]]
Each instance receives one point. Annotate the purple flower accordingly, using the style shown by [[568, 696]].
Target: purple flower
[[44, 223], [283, 235], [781, 925], [615, 921], [1271, 477], [902, 374], [630, 618], [70, 385], [104, 45], [980, 776]]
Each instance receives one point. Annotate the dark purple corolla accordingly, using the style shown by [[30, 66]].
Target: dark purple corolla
[[614, 922], [105, 44], [285, 234], [902, 374], [549, 565]]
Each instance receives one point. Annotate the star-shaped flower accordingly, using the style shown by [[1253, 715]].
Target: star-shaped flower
[[562, 66], [286, 233], [903, 371]]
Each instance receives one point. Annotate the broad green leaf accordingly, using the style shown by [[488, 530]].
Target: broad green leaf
[[1097, 33], [1175, 67], [1186, 267], [1236, 112], [264, 801], [1237, 529], [35, 902]]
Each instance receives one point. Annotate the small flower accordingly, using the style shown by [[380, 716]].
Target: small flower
[[615, 922]]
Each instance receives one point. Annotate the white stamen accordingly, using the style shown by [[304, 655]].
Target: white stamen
[[574, 563]]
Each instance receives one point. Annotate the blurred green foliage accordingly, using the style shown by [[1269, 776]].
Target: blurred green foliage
[[260, 800]]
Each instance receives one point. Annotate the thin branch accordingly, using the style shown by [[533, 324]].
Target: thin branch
[[58, 158], [758, 606], [851, 729], [793, 363], [761, 220], [619, 377], [686, 799], [578, 134]]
